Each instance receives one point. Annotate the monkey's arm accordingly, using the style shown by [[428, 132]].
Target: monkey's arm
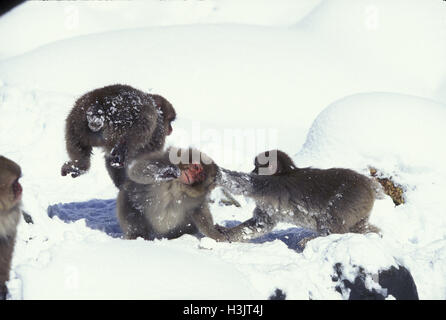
[[6, 249], [78, 149], [239, 183], [152, 170], [253, 228], [202, 219]]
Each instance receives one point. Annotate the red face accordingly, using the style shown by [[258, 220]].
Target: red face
[[17, 189], [192, 174]]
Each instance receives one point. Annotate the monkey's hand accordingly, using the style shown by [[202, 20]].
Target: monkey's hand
[[73, 168], [224, 234], [166, 173], [237, 183]]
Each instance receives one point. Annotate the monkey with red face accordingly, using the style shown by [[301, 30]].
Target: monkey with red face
[[166, 195], [10, 212]]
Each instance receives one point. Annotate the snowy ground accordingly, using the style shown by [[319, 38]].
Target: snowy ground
[[333, 83]]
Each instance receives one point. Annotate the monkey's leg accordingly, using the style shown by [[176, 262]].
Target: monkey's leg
[[350, 212], [6, 249], [131, 220], [202, 219], [118, 154], [253, 228], [364, 226], [117, 174]]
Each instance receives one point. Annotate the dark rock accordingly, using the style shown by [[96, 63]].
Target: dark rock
[[278, 295], [397, 282]]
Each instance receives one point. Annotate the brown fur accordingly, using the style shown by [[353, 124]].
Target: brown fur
[[154, 203], [123, 121], [10, 212], [327, 201]]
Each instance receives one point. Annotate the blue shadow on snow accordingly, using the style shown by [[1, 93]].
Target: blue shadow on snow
[[101, 215]]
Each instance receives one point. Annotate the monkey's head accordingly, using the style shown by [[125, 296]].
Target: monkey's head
[[273, 162], [198, 171], [167, 110], [10, 188]]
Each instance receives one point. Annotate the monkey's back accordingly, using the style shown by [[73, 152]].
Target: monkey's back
[[115, 112], [307, 196]]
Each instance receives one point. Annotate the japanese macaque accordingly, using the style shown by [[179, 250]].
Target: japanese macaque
[[10, 213], [166, 195], [326, 201], [122, 120]]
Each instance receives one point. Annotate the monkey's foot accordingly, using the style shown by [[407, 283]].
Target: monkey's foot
[[116, 162], [72, 167], [118, 155]]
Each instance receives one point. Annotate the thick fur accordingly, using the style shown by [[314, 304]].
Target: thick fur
[[124, 121], [327, 201], [10, 214], [153, 203]]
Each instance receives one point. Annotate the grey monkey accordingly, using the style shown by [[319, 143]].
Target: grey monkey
[[10, 213], [326, 201], [162, 199], [122, 120]]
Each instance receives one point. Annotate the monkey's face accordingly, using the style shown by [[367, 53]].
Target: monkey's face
[[274, 162], [168, 125], [192, 174], [10, 188], [266, 163], [167, 111]]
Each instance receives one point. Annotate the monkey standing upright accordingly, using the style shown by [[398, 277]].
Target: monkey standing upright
[[161, 199], [327, 201], [123, 121], [10, 212]]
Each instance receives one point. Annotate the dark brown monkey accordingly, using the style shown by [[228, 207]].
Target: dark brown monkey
[[123, 121], [163, 200], [10, 212], [327, 201]]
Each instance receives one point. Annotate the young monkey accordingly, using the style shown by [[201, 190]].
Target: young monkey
[[120, 119], [166, 196], [326, 201]]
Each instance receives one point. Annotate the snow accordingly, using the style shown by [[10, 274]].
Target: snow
[[333, 83]]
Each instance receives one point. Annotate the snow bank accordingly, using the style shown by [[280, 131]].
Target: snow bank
[[279, 77], [53, 21], [381, 129], [400, 135]]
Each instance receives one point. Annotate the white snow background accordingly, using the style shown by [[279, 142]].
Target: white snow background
[[334, 83]]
